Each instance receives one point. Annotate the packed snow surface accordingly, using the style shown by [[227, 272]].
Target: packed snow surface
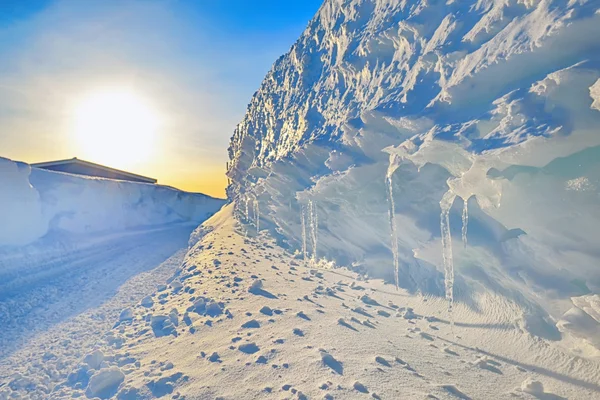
[[243, 319], [450, 147], [51, 325]]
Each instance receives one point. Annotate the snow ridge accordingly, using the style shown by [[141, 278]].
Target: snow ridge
[[494, 101]]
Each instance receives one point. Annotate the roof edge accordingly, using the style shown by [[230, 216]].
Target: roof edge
[[76, 160]]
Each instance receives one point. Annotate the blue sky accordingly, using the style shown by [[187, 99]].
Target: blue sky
[[197, 62]]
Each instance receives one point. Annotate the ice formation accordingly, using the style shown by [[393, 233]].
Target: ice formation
[[256, 215], [303, 227], [495, 102], [247, 208], [394, 164], [445, 205], [314, 227], [465, 221]]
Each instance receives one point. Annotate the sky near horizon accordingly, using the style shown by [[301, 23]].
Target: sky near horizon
[[193, 65]]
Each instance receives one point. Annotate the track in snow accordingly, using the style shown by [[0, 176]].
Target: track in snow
[[56, 310]]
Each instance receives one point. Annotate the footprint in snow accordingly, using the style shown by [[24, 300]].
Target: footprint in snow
[[450, 351], [266, 310], [451, 389], [329, 361], [251, 324], [248, 348], [301, 314], [345, 324], [261, 360], [400, 361], [368, 324], [361, 311], [487, 364], [382, 361], [360, 387], [368, 300]]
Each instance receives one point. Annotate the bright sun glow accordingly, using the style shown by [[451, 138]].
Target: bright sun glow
[[116, 127]]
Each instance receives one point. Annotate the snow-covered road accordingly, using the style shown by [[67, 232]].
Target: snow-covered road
[[54, 311]]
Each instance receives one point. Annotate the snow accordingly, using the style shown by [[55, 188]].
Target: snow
[[595, 93], [312, 333], [74, 253], [104, 383], [387, 113], [42, 203], [20, 206], [414, 211], [50, 325]]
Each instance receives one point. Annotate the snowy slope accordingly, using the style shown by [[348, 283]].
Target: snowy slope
[[242, 319], [36, 203], [68, 302], [75, 251], [474, 121]]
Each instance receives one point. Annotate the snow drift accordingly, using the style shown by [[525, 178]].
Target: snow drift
[[394, 130], [35, 203]]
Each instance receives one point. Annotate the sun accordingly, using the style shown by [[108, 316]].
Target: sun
[[115, 127]]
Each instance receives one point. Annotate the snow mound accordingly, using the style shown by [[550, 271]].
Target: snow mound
[[583, 319], [105, 383], [449, 147], [41, 202]]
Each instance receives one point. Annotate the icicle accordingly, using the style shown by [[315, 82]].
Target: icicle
[[303, 216], [393, 166], [445, 205], [247, 200], [394, 233], [465, 222], [257, 215], [315, 230], [314, 225]]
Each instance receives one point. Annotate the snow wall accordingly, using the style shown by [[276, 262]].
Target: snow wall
[[35, 203], [452, 147]]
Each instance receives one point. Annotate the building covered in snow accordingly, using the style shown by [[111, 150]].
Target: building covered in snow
[[81, 167]]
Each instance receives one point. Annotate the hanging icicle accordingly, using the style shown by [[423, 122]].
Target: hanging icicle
[[246, 201], [303, 217], [465, 221], [445, 205], [393, 229], [314, 226], [393, 166], [257, 215]]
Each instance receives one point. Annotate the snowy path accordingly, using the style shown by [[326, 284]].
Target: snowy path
[[307, 333], [64, 305]]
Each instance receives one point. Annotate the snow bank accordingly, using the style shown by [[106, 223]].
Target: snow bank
[[35, 203], [20, 206], [474, 125]]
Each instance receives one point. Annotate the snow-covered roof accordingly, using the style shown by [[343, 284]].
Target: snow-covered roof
[[76, 161]]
